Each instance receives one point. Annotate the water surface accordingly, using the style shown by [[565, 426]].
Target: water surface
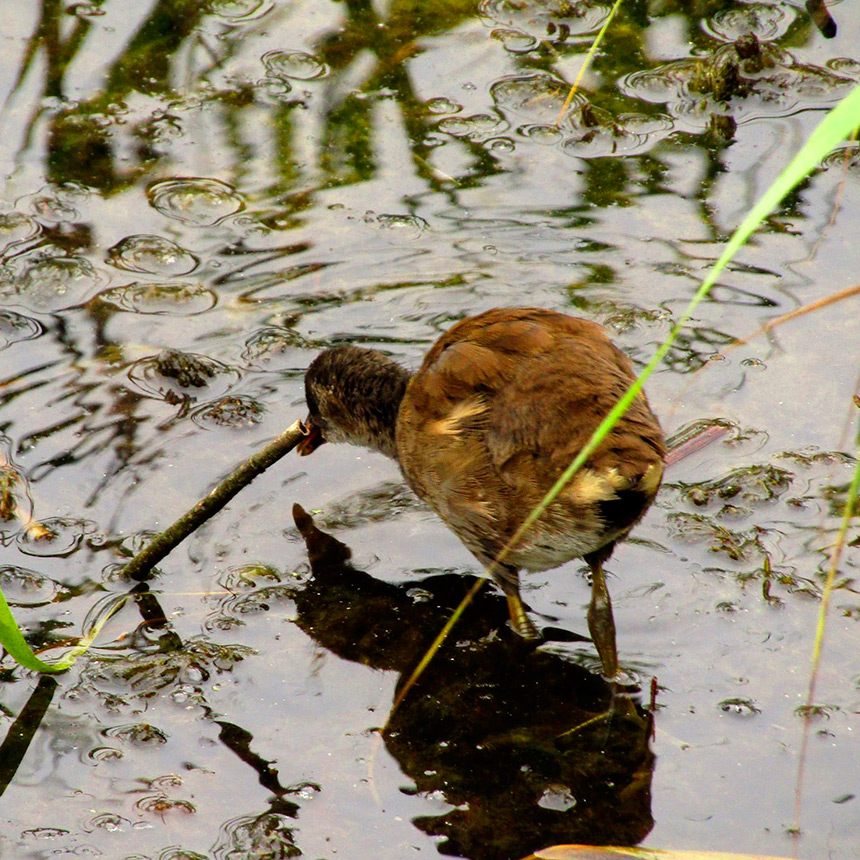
[[196, 198]]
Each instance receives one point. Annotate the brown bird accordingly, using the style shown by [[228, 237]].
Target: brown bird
[[501, 406]]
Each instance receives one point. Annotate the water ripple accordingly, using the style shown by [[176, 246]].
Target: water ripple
[[294, 64], [100, 754], [168, 299], [23, 587], [766, 21], [551, 21], [442, 105], [107, 821], [476, 127], [239, 11], [745, 79], [273, 348], [235, 412], [137, 734], [153, 255], [16, 228], [52, 284], [59, 536], [585, 131], [16, 327], [180, 377], [199, 202]]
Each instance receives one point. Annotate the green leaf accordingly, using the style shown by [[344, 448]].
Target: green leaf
[[13, 640]]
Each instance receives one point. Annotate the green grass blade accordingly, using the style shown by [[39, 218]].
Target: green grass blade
[[839, 123], [587, 61], [13, 640], [820, 628]]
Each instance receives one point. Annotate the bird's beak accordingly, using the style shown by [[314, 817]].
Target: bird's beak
[[313, 438]]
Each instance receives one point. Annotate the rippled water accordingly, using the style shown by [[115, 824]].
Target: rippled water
[[198, 197]]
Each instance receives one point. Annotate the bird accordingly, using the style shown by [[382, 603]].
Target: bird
[[501, 405]]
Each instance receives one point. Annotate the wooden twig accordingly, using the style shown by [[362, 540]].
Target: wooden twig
[[165, 542]]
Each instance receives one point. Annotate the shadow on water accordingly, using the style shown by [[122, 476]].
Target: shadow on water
[[524, 745]]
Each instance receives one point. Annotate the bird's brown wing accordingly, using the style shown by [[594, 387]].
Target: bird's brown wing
[[501, 405]]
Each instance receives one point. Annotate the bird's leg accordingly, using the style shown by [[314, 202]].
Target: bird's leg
[[601, 624], [509, 582], [520, 621]]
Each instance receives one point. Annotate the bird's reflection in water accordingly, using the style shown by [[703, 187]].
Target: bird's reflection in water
[[523, 744]]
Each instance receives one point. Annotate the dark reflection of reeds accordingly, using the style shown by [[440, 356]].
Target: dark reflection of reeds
[[82, 147], [20, 733]]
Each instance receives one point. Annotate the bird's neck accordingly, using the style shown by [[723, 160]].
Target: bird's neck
[[374, 397]]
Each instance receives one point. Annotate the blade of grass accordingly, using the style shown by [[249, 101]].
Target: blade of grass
[[769, 326], [847, 293], [434, 647], [820, 627], [13, 640], [838, 124], [587, 62]]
